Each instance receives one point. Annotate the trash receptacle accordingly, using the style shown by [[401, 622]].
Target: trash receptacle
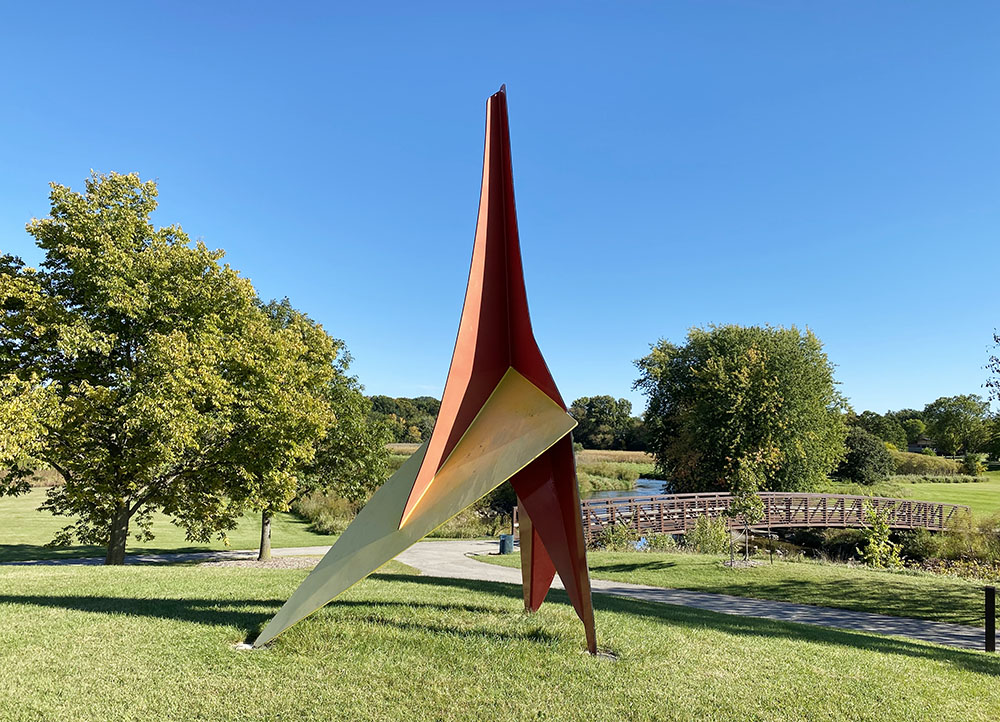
[[506, 543]]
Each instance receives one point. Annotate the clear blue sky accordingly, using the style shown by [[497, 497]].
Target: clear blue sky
[[833, 165]]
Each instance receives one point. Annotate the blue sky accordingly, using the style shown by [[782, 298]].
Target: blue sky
[[832, 165]]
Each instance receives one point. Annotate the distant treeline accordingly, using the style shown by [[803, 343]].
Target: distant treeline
[[603, 422], [410, 420], [951, 425]]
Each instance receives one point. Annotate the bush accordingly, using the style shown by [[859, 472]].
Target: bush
[[907, 463], [841, 544], [472, 524], [972, 538], [974, 464], [920, 544], [616, 538], [879, 550], [623, 538], [326, 514], [868, 461], [928, 451], [925, 479], [660, 543], [709, 536]]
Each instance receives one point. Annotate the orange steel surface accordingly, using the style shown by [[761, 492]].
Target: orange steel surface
[[494, 336], [494, 333]]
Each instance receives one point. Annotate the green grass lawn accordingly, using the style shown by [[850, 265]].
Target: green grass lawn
[[24, 531], [982, 497], [155, 643], [901, 594]]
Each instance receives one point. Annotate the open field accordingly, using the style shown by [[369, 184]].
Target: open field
[[902, 594], [24, 531], [596, 470], [150, 643], [982, 497]]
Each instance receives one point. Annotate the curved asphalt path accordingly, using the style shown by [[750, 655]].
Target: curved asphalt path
[[454, 560]]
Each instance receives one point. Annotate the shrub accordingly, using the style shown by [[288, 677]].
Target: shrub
[[709, 536], [868, 461], [920, 544], [660, 543], [616, 538], [925, 479], [974, 464], [907, 463], [972, 538], [472, 524], [879, 552], [841, 544], [928, 451], [326, 514]]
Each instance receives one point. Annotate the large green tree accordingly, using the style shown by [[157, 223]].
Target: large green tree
[[329, 440], [734, 398], [958, 424], [887, 428], [868, 461], [158, 381], [603, 422]]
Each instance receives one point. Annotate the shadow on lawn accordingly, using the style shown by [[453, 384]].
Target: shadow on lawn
[[958, 604], [653, 566], [742, 626], [252, 614], [41, 553]]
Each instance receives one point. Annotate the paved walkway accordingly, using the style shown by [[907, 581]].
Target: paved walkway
[[451, 559]]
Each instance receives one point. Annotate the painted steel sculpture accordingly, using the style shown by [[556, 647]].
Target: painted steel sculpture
[[501, 419]]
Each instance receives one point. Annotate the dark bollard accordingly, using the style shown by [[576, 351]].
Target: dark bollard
[[991, 619], [506, 543]]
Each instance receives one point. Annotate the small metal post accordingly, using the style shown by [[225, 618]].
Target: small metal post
[[991, 619]]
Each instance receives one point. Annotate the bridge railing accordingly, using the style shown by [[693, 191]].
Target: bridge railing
[[677, 513]]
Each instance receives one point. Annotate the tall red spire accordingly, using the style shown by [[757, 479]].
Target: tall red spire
[[495, 335]]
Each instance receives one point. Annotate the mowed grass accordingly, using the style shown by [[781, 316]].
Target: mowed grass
[[983, 497], [24, 531], [901, 594], [153, 643]]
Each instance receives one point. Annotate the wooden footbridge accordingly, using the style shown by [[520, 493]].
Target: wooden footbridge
[[676, 513]]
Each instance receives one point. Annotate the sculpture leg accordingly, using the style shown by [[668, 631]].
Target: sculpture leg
[[537, 570], [548, 493]]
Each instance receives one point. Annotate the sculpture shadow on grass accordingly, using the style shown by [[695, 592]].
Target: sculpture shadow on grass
[[252, 614]]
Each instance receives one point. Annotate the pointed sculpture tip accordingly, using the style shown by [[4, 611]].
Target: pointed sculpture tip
[[503, 89]]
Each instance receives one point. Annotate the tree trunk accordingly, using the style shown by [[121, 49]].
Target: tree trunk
[[119, 535], [746, 544], [265, 537]]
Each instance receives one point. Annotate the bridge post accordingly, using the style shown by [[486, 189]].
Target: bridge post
[[991, 619]]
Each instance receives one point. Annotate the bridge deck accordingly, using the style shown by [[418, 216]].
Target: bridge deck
[[676, 513]]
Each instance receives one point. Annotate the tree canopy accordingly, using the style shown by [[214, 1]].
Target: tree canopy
[[155, 377], [887, 428], [868, 461], [958, 423], [408, 419], [733, 399], [603, 422]]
